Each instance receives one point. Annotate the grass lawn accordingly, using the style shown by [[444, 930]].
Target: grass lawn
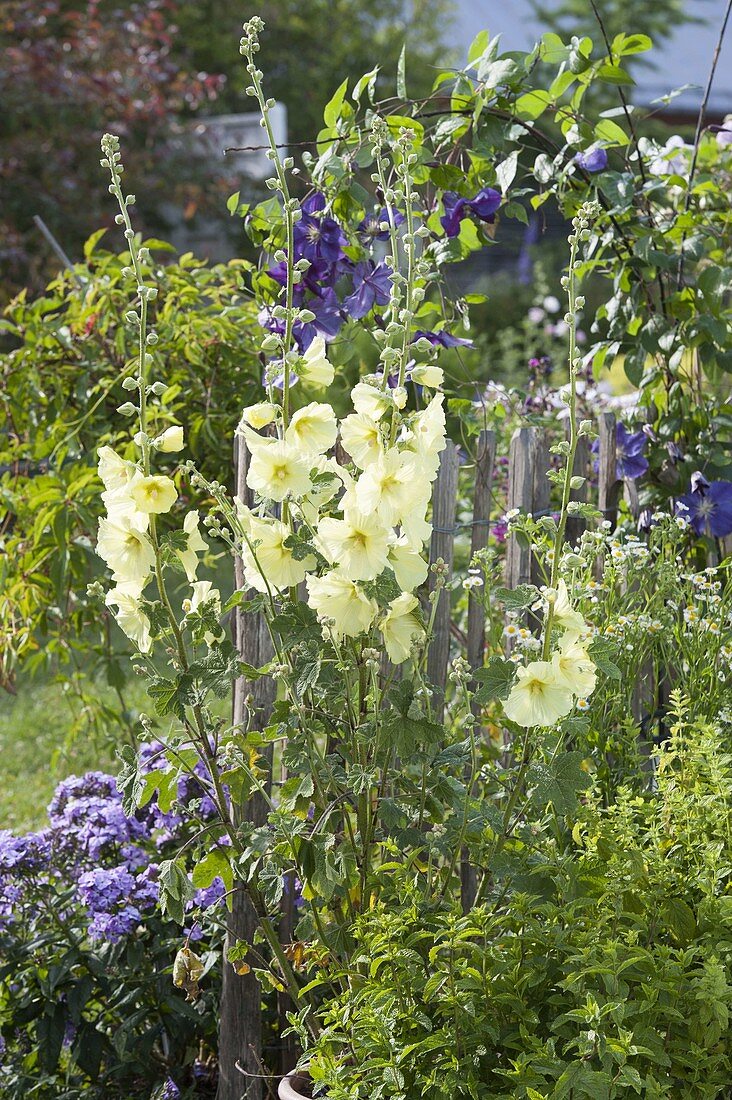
[[40, 744]]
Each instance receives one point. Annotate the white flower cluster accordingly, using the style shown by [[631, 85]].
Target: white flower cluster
[[362, 518]]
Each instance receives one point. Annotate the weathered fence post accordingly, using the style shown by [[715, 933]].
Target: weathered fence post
[[608, 484], [521, 496], [541, 495], [485, 458], [240, 1029], [444, 500]]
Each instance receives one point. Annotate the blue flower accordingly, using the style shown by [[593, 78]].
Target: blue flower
[[593, 159], [707, 506], [318, 238], [442, 338], [375, 227], [629, 447], [483, 206], [371, 286]]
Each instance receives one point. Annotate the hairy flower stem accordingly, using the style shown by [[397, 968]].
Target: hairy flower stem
[[249, 46], [580, 227]]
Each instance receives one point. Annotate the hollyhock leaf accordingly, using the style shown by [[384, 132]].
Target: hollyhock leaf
[[514, 599], [559, 782], [601, 651], [495, 679], [215, 864]]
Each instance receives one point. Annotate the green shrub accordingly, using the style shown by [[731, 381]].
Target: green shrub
[[598, 966]]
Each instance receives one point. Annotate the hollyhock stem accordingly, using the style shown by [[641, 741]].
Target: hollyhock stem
[[580, 226]]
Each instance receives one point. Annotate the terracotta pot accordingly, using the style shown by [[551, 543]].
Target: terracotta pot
[[295, 1086]]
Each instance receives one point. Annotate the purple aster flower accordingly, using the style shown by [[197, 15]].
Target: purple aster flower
[[484, 206], [443, 339], [375, 227], [708, 506], [631, 462], [371, 286], [592, 160], [318, 238]]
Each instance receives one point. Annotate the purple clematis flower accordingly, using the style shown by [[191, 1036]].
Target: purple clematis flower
[[592, 160], [375, 227], [442, 338], [708, 506], [631, 463], [318, 238], [484, 206], [371, 286], [328, 319]]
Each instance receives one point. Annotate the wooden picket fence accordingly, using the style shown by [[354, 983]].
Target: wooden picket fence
[[242, 1072]]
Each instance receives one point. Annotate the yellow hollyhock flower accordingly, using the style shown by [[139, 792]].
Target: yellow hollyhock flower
[[259, 415], [357, 543], [315, 367], [125, 547], [574, 667], [565, 616], [410, 568], [130, 618], [153, 494], [195, 545], [537, 698], [428, 375], [334, 597], [114, 472], [370, 401], [389, 485], [171, 440], [277, 469], [313, 429], [400, 627], [205, 593], [361, 438], [414, 524], [271, 559], [426, 435]]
